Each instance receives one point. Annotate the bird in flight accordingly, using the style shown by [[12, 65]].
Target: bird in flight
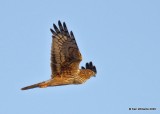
[[65, 60]]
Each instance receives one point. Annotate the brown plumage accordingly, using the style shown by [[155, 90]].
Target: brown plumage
[[65, 60]]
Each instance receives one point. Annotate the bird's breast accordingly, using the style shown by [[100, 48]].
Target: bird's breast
[[70, 72]]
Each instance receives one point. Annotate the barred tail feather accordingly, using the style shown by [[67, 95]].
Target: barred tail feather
[[31, 86]]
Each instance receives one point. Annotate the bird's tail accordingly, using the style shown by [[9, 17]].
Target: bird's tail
[[31, 86]]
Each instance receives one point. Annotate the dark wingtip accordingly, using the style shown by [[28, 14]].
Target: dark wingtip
[[60, 26], [59, 23], [64, 24], [95, 70], [82, 67], [72, 35], [51, 30], [55, 27], [65, 29], [90, 66]]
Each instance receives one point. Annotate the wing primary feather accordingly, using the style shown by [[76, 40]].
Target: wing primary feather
[[82, 67], [56, 29], [87, 66], [94, 69], [53, 32], [60, 26], [90, 64], [65, 29], [72, 35]]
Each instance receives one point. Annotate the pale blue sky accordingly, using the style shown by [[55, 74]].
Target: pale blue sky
[[121, 37]]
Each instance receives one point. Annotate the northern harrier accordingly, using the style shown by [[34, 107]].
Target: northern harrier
[[65, 60]]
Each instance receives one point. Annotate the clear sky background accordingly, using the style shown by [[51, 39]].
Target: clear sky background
[[121, 37]]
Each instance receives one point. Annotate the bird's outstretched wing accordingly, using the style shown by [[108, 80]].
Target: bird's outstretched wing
[[64, 51]]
